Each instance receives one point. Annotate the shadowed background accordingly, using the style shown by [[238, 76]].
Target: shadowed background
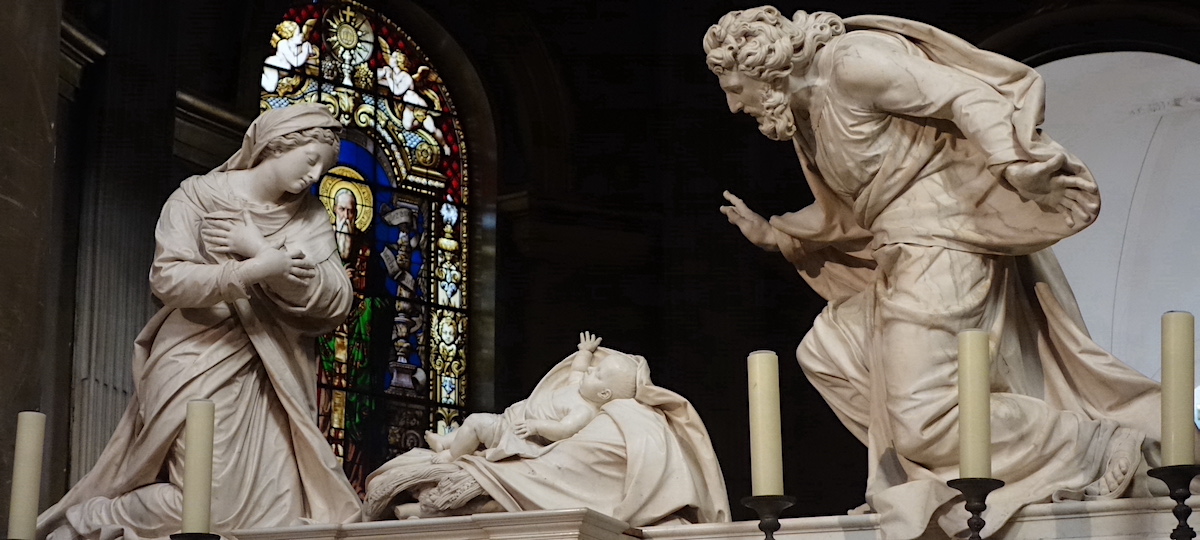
[[612, 145]]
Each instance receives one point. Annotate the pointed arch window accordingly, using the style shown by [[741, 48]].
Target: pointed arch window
[[399, 201]]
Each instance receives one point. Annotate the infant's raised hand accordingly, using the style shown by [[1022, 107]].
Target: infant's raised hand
[[524, 429], [588, 341]]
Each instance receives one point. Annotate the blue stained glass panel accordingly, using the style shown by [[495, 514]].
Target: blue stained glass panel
[[398, 234], [449, 385], [361, 160], [402, 157]]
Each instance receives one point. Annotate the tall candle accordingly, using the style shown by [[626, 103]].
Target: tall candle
[[1178, 400], [974, 405], [766, 446], [197, 466], [27, 476]]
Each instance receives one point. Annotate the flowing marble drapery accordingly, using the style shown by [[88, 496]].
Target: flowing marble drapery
[[916, 236], [250, 349], [646, 460]]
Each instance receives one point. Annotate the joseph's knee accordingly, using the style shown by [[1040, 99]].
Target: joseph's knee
[[910, 443], [833, 366], [931, 440], [811, 362], [814, 359], [833, 347]]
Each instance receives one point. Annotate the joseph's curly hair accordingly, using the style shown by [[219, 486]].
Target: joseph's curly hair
[[764, 44], [284, 143]]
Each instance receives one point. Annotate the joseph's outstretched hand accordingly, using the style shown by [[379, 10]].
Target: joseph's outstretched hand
[[754, 227]]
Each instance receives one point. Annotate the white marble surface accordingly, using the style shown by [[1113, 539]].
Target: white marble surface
[[1125, 519], [1134, 118], [645, 459], [577, 523], [935, 196], [246, 270]]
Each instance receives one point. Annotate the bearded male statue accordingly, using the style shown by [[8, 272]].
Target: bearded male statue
[[937, 200]]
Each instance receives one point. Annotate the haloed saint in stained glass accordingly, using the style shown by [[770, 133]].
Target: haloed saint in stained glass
[[399, 203]]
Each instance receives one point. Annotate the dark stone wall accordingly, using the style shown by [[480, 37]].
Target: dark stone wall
[[616, 144], [30, 226], [612, 146]]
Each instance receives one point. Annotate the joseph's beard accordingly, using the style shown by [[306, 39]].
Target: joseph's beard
[[777, 121]]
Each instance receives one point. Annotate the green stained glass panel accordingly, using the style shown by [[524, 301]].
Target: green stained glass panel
[[397, 201]]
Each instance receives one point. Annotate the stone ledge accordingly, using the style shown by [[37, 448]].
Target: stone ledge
[[1124, 519], [573, 524], [861, 527]]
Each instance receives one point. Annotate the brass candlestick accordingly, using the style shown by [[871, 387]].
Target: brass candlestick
[[768, 508], [1179, 479], [975, 491]]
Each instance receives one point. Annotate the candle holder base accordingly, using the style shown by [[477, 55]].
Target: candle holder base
[[975, 491], [195, 536], [768, 508], [1179, 479]]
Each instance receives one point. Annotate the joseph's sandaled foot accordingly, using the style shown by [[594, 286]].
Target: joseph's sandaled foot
[[1121, 463]]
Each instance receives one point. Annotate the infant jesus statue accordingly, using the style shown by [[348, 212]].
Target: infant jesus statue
[[523, 427]]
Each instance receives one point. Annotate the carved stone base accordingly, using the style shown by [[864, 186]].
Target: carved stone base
[[573, 524], [1125, 519]]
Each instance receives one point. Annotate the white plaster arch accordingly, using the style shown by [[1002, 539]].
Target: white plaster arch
[[1134, 118]]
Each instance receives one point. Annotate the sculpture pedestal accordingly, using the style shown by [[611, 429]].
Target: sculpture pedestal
[[573, 524], [1123, 519]]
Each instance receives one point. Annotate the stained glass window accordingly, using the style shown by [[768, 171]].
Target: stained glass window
[[399, 204]]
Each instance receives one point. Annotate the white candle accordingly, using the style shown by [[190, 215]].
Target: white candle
[[27, 476], [766, 446], [197, 466], [1178, 373], [974, 405]]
